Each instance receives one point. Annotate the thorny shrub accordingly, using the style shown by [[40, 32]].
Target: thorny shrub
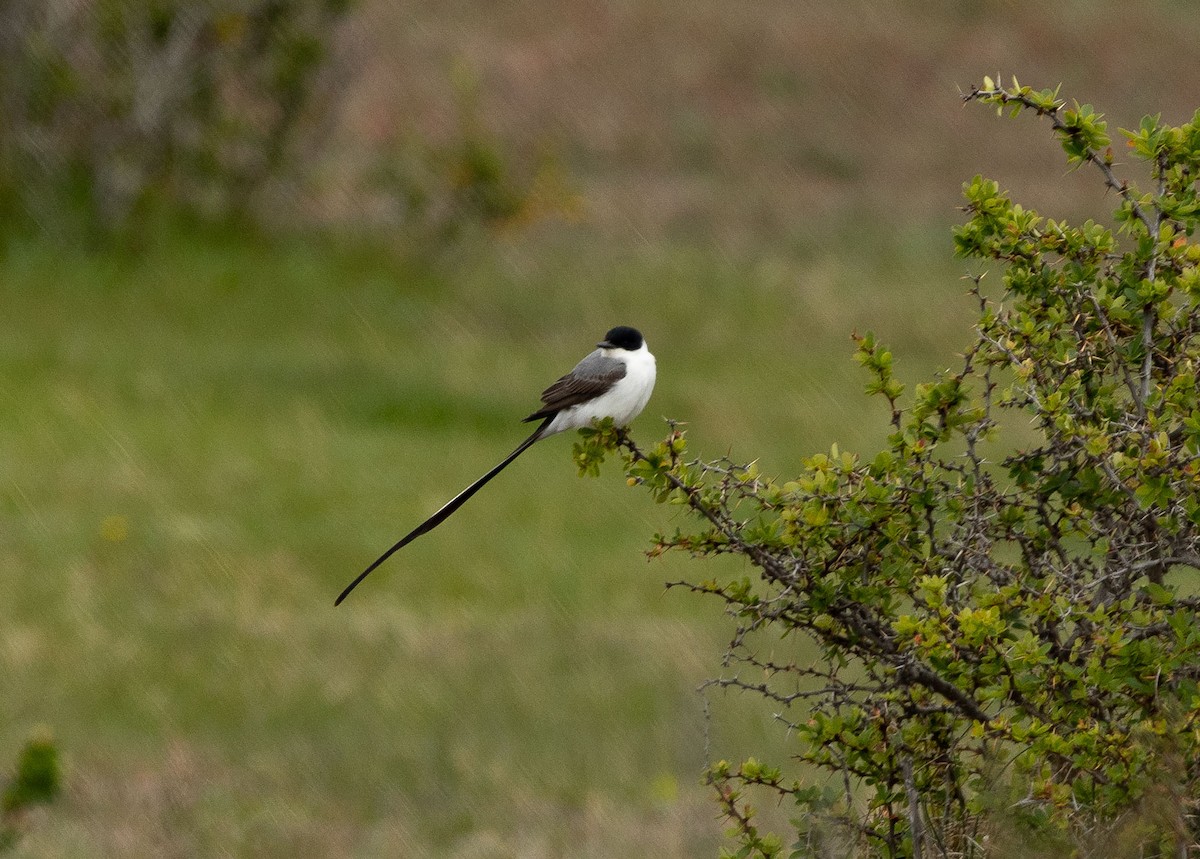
[[1003, 653]]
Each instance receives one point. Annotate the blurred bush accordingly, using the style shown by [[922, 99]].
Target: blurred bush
[[122, 117], [115, 111], [36, 781], [438, 190]]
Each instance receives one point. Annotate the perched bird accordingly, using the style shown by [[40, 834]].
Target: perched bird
[[614, 381]]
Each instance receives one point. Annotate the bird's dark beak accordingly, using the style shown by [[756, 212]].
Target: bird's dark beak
[[604, 344]]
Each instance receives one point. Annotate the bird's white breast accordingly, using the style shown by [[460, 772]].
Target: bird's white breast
[[622, 402]]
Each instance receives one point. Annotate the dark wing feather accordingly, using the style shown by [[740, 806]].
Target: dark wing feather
[[594, 375]]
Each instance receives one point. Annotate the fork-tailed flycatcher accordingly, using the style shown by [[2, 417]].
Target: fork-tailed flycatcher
[[614, 382]]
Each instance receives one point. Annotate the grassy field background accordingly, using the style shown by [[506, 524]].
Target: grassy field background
[[204, 440]]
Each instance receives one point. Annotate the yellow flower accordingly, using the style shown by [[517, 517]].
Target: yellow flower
[[115, 528]]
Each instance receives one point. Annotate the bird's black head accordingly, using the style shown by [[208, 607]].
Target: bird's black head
[[622, 337]]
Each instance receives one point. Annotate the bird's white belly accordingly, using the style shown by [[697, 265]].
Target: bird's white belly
[[623, 402]]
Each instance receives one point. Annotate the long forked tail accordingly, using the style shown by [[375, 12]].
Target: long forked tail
[[449, 507]]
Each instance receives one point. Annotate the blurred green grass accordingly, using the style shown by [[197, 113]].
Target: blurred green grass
[[203, 442]]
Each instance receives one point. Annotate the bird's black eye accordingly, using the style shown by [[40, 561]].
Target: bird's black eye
[[624, 337]]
